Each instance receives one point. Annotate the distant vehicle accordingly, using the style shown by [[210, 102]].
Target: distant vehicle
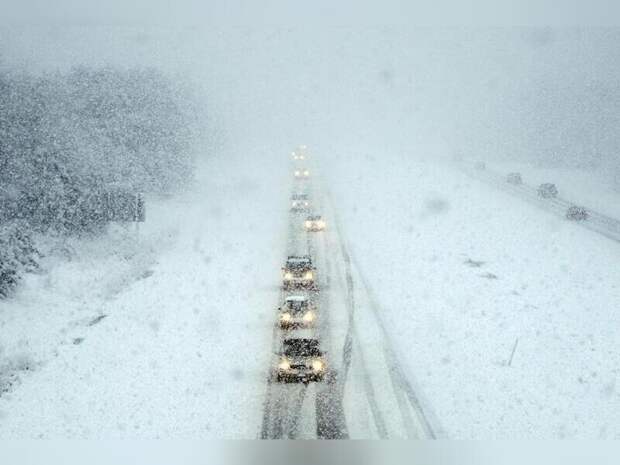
[[514, 178], [480, 165], [300, 202], [301, 361], [302, 174], [300, 153], [576, 213], [297, 312], [298, 273], [315, 223], [547, 191]]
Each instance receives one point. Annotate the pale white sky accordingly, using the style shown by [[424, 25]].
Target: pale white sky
[[323, 12]]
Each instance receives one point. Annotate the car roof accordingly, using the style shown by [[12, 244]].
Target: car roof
[[314, 217], [302, 259], [299, 195], [305, 346], [296, 298]]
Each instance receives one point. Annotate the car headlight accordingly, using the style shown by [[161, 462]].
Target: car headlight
[[285, 317], [308, 275], [309, 317], [306, 173], [288, 276], [317, 365], [321, 224], [306, 204], [308, 224], [284, 364], [297, 173]]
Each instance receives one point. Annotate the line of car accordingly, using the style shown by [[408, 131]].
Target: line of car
[[545, 190], [300, 358]]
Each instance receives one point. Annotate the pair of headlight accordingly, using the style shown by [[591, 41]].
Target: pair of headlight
[[308, 275], [288, 276], [309, 317], [286, 317]]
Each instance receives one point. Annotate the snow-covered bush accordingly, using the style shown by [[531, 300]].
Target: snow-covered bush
[[18, 255], [69, 140], [65, 138]]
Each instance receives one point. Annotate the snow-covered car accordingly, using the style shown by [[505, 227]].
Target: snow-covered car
[[576, 213], [300, 361], [547, 191], [514, 178], [302, 173], [297, 312], [298, 273], [300, 202], [315, 223]]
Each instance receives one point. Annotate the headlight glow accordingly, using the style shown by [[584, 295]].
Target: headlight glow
[[308, 275], [308, 224], [309, 317], [285, 317], [284, 364], [288, 276], [317, 365], [306, 173], [297, 173]]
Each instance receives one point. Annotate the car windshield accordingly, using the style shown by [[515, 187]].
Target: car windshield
[[297, 306]]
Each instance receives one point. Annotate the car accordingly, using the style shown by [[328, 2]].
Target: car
[[302, 173], [547, 191], [300, 361], [576, 213], [300, 202], [315, 223], [514, 178], [297, 312], [298, 273]]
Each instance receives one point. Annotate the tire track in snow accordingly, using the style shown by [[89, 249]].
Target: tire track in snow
[[402, 388]]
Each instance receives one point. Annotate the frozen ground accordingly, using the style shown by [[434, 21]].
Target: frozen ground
[[185, 340], [463, 272]]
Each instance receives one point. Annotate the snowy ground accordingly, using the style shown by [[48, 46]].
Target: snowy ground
[[462, 272], [185, 340]]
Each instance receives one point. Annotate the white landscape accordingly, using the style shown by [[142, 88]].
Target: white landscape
[[453, 297]]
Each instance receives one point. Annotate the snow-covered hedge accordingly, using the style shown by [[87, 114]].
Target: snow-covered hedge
[[64, 137], [18, 255]]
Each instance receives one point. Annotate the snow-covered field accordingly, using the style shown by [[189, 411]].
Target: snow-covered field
[[464, 272], [183, 347]]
